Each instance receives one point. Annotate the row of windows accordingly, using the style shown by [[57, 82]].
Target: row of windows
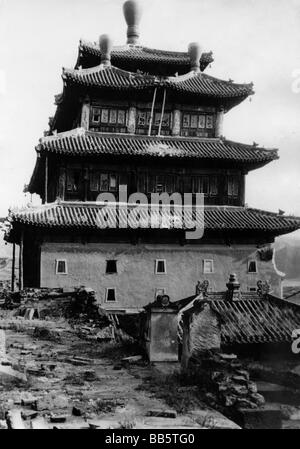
[[117, 117], [111, 296], [200, 121], [159, 268], [109, 182], [109, 116]]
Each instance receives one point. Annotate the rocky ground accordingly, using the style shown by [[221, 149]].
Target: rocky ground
[[52, 376]]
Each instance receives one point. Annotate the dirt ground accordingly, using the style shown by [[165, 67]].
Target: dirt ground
[[72, 382]]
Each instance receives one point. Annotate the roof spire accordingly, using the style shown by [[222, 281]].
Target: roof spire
[[132, 14], [195, 52], [105, 44]]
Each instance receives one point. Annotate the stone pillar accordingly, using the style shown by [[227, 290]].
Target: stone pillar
[[131, 120], [2, 345], [219, 123], [176, 122], [85, 114]]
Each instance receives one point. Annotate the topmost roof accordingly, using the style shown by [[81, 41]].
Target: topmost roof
[[133, 58]]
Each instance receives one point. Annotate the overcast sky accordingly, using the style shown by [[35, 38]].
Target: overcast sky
[[252, 40]]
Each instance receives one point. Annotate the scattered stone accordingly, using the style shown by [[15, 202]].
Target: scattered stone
[[29, 401], [3, 424], [6, 362], [14, 419], [77, 362], [43, 333], [29, 414], [58, 418], [290, 412], [51, 402], [7, 372], [162, 413], [228, 356], [39, 423], [132, 359], [76, 411]]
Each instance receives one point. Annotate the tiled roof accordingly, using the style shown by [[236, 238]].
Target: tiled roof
[[253, 319], [192, 82], [142, 55], [90, 216], [80, 142]]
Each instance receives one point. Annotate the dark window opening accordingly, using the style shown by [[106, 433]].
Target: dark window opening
[[252, 268], [160, 267], [233, 186], [61, 267], [111, 266], [110, 295]]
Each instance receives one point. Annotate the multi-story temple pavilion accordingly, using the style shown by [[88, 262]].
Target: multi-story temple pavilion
[[151, 121]]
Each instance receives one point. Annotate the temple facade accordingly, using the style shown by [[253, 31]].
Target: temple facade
[[135, 119]]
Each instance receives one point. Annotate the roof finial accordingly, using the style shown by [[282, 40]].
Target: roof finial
[[132, 14], [105, 44], [195, 52], [233, 288]]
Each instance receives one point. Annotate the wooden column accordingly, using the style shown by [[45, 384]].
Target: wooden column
[[62, 182], [176, 122], [46, 180], [21, 261], [85, 114], [219, 123], [131, 120], [13, 267]]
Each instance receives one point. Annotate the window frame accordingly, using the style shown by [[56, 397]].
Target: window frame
[[212, 266], [109, 261], [106, 294], [156, 266], [248, 266], [56, 266]]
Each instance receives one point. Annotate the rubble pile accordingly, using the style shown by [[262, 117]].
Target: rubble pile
[[227, 382]]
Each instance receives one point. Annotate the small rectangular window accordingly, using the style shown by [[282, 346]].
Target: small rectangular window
[[252, 289], [113, 116], [233, 186], [104, 116], [95, 115], [112, 182], [94, 181], [209, 122], [194, 121], [61, 266], [186, 120], [121, 117], [201, 123], [252, 268], [110, 295], [208, 266], [104, 182], [160, 266], [111, 266]]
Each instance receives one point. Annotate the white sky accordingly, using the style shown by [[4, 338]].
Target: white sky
[[252, 40]]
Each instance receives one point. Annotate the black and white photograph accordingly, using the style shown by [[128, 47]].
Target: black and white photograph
[[149, 217]]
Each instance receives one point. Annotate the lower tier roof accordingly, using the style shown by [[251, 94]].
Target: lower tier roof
[[79, 142], [99, 216], [251, 319]]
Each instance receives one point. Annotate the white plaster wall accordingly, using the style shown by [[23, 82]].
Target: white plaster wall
[[136, 280]]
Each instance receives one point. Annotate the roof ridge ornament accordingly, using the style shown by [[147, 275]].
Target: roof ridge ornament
[[105, 44], [132, 14], [195, 53]]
